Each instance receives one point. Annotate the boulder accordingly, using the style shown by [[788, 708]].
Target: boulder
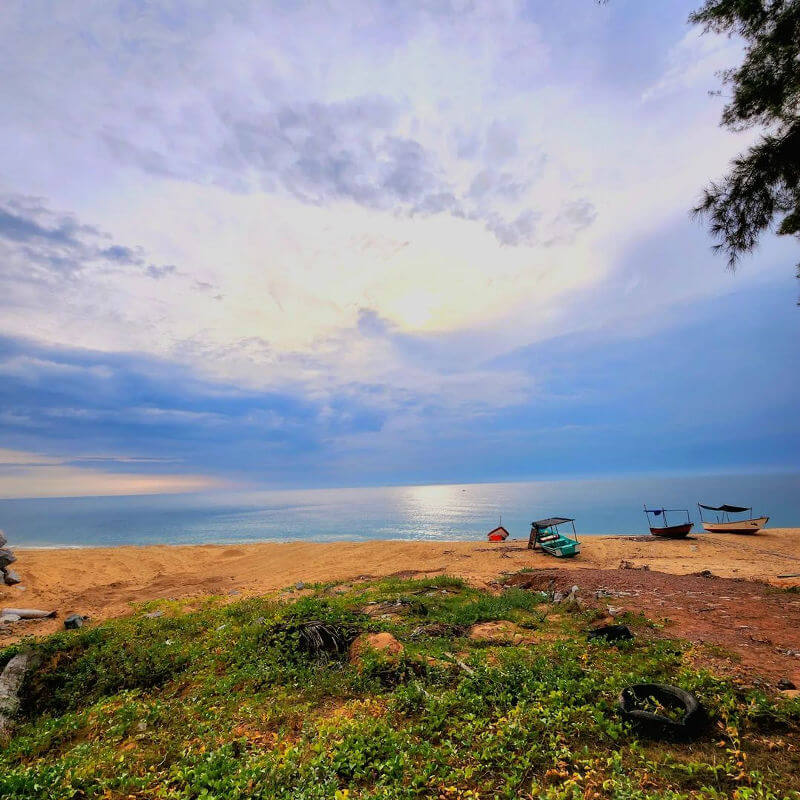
[[11, 578], [10, 684], [3, 540], [383, 643], [785, 683], [6, 557]]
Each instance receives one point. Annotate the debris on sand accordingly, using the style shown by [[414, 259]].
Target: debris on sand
[[28, 613], [74, 621]]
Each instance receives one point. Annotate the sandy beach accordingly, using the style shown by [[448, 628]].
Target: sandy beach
[[105, 582]]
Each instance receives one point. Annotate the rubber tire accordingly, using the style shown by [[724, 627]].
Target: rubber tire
[[656, 725]]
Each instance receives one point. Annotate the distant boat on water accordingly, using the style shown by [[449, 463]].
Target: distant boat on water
[[666, 530], [724, 524]]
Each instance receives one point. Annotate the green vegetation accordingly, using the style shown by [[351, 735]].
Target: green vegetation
[[248, 700], [762, 189]]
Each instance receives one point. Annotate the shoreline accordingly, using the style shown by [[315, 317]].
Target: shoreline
[[104, 582]]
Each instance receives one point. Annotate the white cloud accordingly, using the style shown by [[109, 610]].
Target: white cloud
[[270, 171], [694, 63]]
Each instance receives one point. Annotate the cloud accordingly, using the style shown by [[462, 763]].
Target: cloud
[[321, 153], [694, 63], [38, 244], [574, 217]]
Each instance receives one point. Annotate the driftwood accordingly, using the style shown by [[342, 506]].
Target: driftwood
[[28, 613], [10, 685]]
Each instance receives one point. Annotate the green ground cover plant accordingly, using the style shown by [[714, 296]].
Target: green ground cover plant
[[259, 699]]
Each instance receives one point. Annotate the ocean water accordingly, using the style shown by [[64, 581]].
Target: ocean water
[[445, 512]]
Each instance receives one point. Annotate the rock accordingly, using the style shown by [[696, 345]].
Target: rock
[[234, 592], [704, 573], [3, 540], [574, 590], [501, 632], [615, 611], [6, 557], [74, 621], [29, 613], [154, 614], [7, 619], [10, 684], [785, 683], [383, 643], [557, 597], [300, 585], [11, 578]]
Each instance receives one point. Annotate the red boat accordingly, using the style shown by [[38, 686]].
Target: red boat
[[499, 534], [667, 531]]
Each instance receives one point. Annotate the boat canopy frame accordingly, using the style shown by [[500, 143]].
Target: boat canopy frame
[[541, 525], [658, 512], [723, 512]]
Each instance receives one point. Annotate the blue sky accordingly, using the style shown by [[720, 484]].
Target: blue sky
[[297, 244]]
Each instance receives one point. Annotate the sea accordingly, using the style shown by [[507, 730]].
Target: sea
[[433, 512]]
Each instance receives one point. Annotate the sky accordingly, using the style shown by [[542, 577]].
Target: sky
[[346, 243]]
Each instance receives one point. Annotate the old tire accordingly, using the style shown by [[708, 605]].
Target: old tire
[[689, 716]]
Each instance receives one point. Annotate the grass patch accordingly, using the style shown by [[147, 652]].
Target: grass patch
[[240, 701]]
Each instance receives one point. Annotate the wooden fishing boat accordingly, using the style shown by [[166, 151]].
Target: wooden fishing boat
[[499, 534], [724, 524], [545, 534], [667, 531]]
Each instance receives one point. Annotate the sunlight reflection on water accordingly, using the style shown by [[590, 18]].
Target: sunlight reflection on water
[[440, 512]]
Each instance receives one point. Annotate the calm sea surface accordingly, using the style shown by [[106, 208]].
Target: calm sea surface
[[444, 512]]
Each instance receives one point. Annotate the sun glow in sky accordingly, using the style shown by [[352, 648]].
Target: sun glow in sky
[[249, 243]]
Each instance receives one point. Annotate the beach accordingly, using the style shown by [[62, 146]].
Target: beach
[[107, 582]]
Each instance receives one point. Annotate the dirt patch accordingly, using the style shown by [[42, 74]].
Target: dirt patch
[[383, 643], [747, 628], [501, 632]]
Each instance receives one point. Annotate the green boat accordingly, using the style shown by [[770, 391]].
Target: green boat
[[546, 535]]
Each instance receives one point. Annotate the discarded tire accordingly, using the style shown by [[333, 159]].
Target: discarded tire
[[676, 714], [611, 633]]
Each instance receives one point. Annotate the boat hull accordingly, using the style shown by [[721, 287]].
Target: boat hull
[[742, 526], [672, 531]]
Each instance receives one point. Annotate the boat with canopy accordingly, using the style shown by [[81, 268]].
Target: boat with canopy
[[723, 523], [545, 534], [666, 530]]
